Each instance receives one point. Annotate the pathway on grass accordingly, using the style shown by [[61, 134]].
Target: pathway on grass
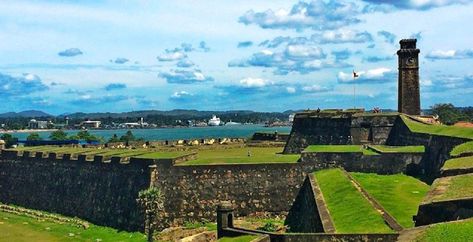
[[398, 194], [351, 212], [390, 220]]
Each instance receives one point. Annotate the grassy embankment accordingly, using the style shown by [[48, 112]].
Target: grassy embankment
[[459, 231], [21, 228], [246, 155], [445, 130], [339, 148], [399, 149], [450, 188], [350, 211], [244, 238], [463, 148], [458, 163], [399, 194], [90, 152], [230, 155]]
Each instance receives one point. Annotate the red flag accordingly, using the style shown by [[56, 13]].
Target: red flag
[[355, 75]]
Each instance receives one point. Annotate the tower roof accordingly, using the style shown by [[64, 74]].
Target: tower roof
[[408, 43]]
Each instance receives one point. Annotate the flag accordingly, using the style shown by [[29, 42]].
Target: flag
[[355, 75]]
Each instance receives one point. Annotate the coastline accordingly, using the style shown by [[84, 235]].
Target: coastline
[[26, 131]]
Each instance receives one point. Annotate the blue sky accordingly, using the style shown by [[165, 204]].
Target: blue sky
[[99, 56]]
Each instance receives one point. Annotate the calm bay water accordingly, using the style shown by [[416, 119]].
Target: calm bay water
[[234, 131]]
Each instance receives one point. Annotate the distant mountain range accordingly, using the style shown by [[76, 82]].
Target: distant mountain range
[[171, 113], [136, 114], [25, 114], [145, 113]]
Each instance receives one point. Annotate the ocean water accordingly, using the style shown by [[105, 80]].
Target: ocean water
[[231, 131]]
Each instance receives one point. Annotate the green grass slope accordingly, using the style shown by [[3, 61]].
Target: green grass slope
[[459, 163], [339, 148], [451, 188], [463, 148], [445, 130], [247, 155], [244, 238], [350, 211], [20, 228], [459, 231], [399, 149], [399, 194]]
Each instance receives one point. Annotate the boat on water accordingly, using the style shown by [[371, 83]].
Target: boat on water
[[214, 121], [232, 123]]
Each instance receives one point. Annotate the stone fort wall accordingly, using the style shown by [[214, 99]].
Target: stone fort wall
[[338, 129], [102, 193], [193, 192]]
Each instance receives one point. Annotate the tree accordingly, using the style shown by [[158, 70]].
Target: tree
[[58, 135], [448, 114], [9, 140], [128, 137], [151, 201], [85, 135], [33, 137], [114, 139]]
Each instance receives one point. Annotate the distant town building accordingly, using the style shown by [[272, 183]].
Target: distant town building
[[140, 124], [214, 121], [90, 124], [291, 117], [36, 124]]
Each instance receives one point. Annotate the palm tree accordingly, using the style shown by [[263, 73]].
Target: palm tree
[[151, 201]]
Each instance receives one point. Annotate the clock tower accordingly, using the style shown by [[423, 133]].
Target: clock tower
[[408, 82]]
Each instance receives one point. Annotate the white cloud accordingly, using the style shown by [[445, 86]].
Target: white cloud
[[304, 52], [425, 83], [315, 88], [172, 56], [254, 82], [291, 90], [377, 75], [317, 14], [450, 54], [181, 94]]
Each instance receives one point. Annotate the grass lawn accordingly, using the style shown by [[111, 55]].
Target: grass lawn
[[463, 162], [240, 156], [399, 194], [161, 155], [350, 211], [20, 228], [463, 148], [458, 231], [452, 187], [397, 149], [339, 148], [454, 131], [244, 238]]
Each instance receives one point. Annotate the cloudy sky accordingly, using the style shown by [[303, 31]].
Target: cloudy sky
[[65, 56]]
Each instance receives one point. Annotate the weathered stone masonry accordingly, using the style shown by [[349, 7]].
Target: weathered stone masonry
[[102, 193]]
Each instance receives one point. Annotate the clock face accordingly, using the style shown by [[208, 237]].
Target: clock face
[[411, 61]]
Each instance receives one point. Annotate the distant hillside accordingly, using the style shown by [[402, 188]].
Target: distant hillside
[[171, 113], [25, 114]]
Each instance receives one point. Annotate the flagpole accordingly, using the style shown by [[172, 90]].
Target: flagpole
[[354, 90]]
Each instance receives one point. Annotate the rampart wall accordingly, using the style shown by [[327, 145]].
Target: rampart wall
[[442, 211], [102, 193], [437, 147], [193, 192], [337, 129], [385, 163]]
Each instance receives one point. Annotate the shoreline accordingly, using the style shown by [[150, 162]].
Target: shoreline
[[27, 131]]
